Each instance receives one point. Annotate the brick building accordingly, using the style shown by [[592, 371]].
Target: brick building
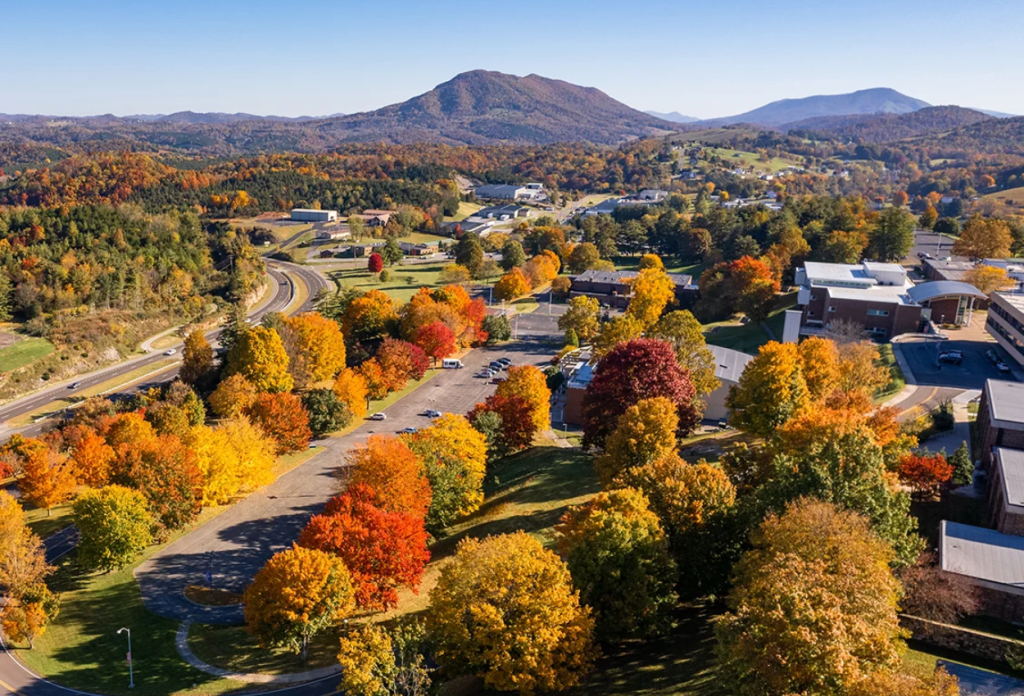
[[612, 287], [1000, 418], [1006, 491]]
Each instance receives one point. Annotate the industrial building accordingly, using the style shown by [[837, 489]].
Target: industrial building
[[311, 215]]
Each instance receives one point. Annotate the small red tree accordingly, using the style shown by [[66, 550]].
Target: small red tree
[[925, 473], [382, 550], [375, 264], [436, 339], [401, 361], [517, 424], [283, 418]]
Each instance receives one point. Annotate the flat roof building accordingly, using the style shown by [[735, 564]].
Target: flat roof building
[[312, 215], [992, 561], [1005, 323], [1000, 418], [509, 192], [612, 287]]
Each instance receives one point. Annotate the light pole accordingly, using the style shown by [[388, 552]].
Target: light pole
[[131, 670]]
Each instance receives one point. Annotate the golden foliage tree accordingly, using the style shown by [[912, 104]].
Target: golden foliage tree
[[454, 456], [504, 609], [813, 607], [114, 525], [771, 390], [393, 472], [686, 335], [196, 359], [645, 432], [370, 315], [378, 662], [652, 290], [352, 391], [295, 595], [511, 285], [47, 479], [989, 279], [819, 363], [22, 560], [232, 396], [984, 238], [583, 317], [619, 330], [530, 384], [315, 346], [259, 355], [235, 457], [684, 496]]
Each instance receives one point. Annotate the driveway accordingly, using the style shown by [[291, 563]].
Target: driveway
[[242, 538], [922, 357]]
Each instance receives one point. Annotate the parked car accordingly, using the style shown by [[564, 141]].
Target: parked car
[[170, 351], [431, 413], [1002, 367], [954, 357], [497, 380], [505, 360], [75, 385], [379, 416], [408, 431]]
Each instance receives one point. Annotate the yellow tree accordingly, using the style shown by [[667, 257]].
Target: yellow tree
[[315, 346], [813, 606], [235, 457], [351, 390], [685, 333], [259, 355], [504, 609], [583, 317], [984, 238], [378, 662], [619, 330], [530, 384], [684, 496], [989, 279], [771, 390], [860, 369], [370, 315], [652, 290], [651, 261], [297, 594], [114, 525], [232, 396], [541, 269], [47, 479], [819, 363], [196, 359], [511, 285], [454, 456], [22, 560], [644, 433]]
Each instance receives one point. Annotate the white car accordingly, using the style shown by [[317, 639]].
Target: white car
[[379, 416], [431, 413], [170, 351], [408, 431]]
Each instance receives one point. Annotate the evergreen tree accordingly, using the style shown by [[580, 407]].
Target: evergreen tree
[[963, 467]]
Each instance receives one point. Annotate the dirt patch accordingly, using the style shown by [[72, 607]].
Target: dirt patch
[[212, 597], [7, 339]]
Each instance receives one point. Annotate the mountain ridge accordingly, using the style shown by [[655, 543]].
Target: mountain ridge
[[861, 102]]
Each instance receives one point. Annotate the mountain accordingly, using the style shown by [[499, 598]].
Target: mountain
[[483, 107], [673, 116], [880, 128], [866, 101], [997, 114]]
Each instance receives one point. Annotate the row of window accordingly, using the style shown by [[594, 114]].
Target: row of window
[[1006, 316], [1002, 331], [871, 312]]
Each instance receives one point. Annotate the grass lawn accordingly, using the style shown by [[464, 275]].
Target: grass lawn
[[749, 160], [747, 338], [1013, 195], [231, 647], [465, 210], [631, 263], [23, 352], [399, 286], [43, 524], [896, 379]]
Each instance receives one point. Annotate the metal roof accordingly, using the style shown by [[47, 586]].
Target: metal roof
[[1005, 403], [982, 554], [729, 363], [593, 276], [1011, 467], [942, 288]]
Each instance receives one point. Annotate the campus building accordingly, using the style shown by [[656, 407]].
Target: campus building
[[1006, 323], [611, 288], [310, 215]]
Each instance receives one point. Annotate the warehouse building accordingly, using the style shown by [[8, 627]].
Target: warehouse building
[[311, 215]]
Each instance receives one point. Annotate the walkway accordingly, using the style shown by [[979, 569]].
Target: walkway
[[978, 682]]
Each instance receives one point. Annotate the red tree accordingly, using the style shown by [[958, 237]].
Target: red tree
[[166, 472], [517, 424], [436, 339], [925, 474], [639, 369], [375, 264], [382, 550], [283, 418], [402, 359]]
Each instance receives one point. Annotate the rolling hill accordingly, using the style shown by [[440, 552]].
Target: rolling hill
[[880, 128], [673, 116], [866, 101]]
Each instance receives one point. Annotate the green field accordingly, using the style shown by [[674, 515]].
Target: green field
[[1013, 196], [750, 160], [747, 338], [465, 210], [23, 352], [421, 275], [631, 263]]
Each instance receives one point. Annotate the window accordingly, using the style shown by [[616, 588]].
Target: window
[[832, 309], [810, 313], [813, 298], [878, 312]]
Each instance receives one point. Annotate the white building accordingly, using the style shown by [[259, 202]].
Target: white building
[[310, 215], [729, 365], [509, 192]]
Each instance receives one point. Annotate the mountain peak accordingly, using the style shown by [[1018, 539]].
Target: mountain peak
[[876, 100]]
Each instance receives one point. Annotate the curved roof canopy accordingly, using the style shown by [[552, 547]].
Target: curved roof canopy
[[943, 288]]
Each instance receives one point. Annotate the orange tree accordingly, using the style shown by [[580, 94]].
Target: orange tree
[[91, 459], [376, 381], [529, 384], [22, 558], [925, 473], [297, 594], [283, 418], [487, 606], [382, 550], [168, 474], [643, 368], [515, 427], [232, 396], [401, 361], [511, 285], [436, 340], [47, 479], [393, 471], [454, 457], [369, 316]]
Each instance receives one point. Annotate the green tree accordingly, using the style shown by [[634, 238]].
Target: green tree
[[686, 335], [6, 305], [892, 236], [470, 254], [327, 413], [583, 257], [114, 526], [512, 255], [497, 327], [583, 317], [963, 467], [391, 253], [618, 558]]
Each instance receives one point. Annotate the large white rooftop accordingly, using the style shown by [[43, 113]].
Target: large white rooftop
[[984, 555], [1011, 467]]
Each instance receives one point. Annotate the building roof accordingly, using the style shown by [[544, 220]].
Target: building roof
[[507, 209], [509, 190], [845, 273], [1012, 299], [312, 210], [982, 554], [943, 288], [620, 277], [886, 294], [1011, 465], [729, 363], [582, 378], [1005, 403]]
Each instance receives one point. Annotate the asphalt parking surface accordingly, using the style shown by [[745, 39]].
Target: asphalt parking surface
[[922, 356]]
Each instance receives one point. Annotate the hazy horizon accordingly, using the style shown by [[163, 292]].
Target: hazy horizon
[[316, 58]]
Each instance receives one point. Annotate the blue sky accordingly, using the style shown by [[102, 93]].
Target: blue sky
[[706, 59]]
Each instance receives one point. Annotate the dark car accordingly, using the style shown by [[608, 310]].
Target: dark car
[[954, 357]]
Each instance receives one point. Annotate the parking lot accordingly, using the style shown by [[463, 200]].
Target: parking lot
[[923, 358]]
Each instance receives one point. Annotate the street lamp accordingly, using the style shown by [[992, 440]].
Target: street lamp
[[131, 670]]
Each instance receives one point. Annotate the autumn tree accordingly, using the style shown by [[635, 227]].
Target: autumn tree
[[892, 235], [651, 291], [583, 257], [379, 662], [454, 457], [771, 390], [22, 557], [233, 396], [23, 623], [529, 384], [618, 558], [369, 316], [352, 391], [645, 433], [197, 360], [512, 255], [860, 368], [582, 316], [437, 340], [259, 355], [47, 479], [643, 368], [454, 274], [327, 413], [167, 473], [378, 383], [393, 471], [114, 526], [813, 607], [487, 604], [401, 361], [819, 365], [685, 334], [506, 422], [541, 269], [925, 473], [931, 593], [984, 238], [889, 683], [375, 263], [746, 284], [989, 279], [297, 594], [315, 347], [382, 550], [91, 459], [283, 418], [512, 285], [618, 330], [235, 457]]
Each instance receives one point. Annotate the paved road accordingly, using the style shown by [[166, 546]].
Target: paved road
[[60, 543], [245, 536]]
